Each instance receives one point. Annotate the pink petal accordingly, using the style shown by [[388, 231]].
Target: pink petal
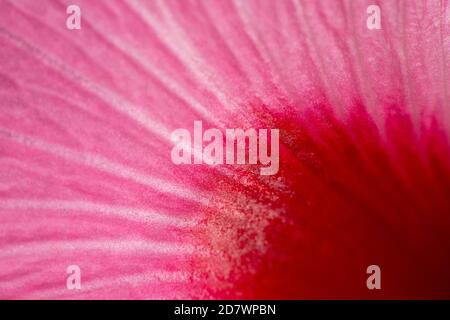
[[86, 177]]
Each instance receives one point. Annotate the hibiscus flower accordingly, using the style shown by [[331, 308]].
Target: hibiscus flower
[[87, 184]]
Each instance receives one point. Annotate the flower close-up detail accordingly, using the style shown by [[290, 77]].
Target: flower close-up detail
[[354, 96]]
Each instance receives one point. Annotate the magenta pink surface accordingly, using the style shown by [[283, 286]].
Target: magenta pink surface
[[85, 171]]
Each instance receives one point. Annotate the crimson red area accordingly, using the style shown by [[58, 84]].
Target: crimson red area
[[353, 198]]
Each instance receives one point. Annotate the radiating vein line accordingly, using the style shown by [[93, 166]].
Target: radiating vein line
[[103, 164], [190, 57], [361, 72], [134, 214], [264, 52], [120, 246], [311, 42], [445, 52], [157, 277], [131, 279]]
